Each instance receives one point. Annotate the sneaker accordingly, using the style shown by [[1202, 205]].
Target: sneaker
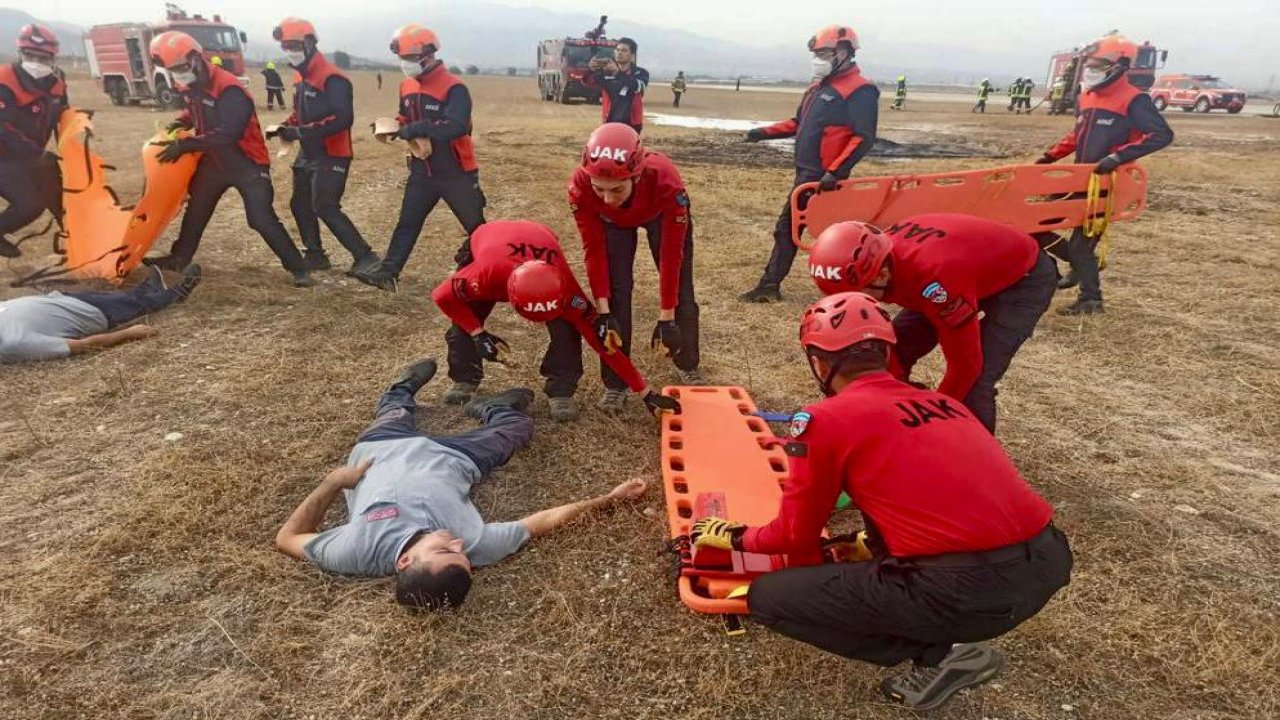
[[365, 265], [166, 262], [925, 688], [563, 409], [316, 260], [417, 375], [1068, 281], [516, 398], [762, 293], [380, 278], [303, 279], [190, 279], [691, 377], [8, 249], [460, 393], [1083, 307], [613, 400]]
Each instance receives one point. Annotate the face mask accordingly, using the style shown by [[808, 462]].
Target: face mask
[[411, 68], [37, 70], [296, 59], [821, 68], [1093, 77], [185, 79]]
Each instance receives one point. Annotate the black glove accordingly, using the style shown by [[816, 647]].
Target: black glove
[[666, 338], [173, 151], [756, 135], [1107, 165], [288, 133], [1046, 160], [609, 332], [658, 404], [404, 133], [828, 182], [491, 347], [463, 257]]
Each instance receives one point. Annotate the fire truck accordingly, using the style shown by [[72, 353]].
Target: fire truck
[[119, 57], [1066, 67], [562, 65]]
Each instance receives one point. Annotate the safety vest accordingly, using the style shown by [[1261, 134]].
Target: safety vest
[[202, 106]]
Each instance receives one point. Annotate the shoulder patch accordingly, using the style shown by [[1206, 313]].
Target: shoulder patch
[[682, 199], [934, 292], [460, 289], [799, 423], [577, 302]]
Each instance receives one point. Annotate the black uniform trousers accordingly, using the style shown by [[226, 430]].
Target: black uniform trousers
[[1009, 319], [784, 248], [620, 249], [461, 192], [561, 364], [30, 187], [889, 610], [213, 178], [318, 186], [1080, 252], [275, 96]]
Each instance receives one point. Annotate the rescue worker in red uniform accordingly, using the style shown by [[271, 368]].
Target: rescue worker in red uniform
[[323, 111], [434, 106], [622, 84], [975, 286], [522, 263], [619, 188], [1116, 123], [33, 96], [221, 113], [834, 128], [958, 549]]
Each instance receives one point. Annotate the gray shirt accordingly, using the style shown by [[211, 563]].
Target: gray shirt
[[414, 485], [36, 327]]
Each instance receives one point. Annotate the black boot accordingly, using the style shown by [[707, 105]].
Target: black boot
[[765, 292], [518, 398], [1068, 281], [316, 260], [417, 375], [8, 249]]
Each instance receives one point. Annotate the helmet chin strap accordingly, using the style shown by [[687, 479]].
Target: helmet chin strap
[[824, 383]]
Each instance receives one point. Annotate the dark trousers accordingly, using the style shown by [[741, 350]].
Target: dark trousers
[[30, 187], [122, 306], [275, 96], [1081, 253], [784, 248], [421, 194], [620, 249], [318, 186], [561, 364], [1009, 319], [889, 610], [676, 103], [214, 178], [504, 431]]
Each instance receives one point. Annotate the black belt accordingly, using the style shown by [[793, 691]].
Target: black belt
[[985, 557]]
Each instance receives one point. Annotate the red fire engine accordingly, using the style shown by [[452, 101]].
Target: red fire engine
[[562, 65]]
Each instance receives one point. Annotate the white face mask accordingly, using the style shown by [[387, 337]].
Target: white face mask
[[37, 70], [1093, 77], [296, 59], [411, 68], [185, 79], [821, 68]]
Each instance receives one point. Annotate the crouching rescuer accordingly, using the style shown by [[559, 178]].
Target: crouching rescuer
[[961, 549]]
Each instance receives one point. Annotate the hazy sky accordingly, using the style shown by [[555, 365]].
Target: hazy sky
[[1239, 39]]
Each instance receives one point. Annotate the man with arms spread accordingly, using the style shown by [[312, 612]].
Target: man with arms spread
[[409, 510], [961, 549]]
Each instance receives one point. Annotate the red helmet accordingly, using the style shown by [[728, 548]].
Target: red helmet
[[830, 37], [1113, 48], [414, 40], [172, 48], [38, 39], [613, 152], [294, 29], [848, 256], [840, 321], [536, 291]]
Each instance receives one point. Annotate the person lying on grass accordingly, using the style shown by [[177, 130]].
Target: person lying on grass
[[408, 505]]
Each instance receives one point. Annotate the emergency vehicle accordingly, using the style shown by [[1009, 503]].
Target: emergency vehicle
[[1067, 66], [1201, 93], [562, 65]]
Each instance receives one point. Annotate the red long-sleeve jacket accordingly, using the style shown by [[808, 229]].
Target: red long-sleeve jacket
[[928, 477], [498, 248], [944, 265], [323, 109], [834, 126], [1119, 119], [29, 112], [659, 194]]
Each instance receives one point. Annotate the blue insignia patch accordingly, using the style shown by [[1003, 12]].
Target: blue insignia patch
[[934, 292], [799, 423]]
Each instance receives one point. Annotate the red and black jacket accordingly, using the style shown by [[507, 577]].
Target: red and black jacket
[[835, 125], [323, 110], [1117, 119], [226, 124], [622, 96], [437, 106], [29, 112]]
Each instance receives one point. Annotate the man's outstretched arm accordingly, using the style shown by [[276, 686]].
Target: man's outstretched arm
[[545, 521], [301, 527], [102, 341]]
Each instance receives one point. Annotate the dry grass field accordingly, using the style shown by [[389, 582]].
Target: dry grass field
[[138, 577]]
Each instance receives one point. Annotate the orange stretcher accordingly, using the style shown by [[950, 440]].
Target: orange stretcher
[[1031, 198], [719, 459]]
